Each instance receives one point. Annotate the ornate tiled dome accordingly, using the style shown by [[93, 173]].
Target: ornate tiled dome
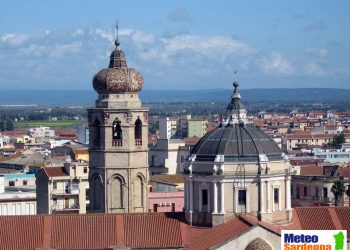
[[258, 243], [118, 78], [236, 139]]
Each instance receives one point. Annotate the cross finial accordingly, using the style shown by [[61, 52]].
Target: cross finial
[[117, 43]]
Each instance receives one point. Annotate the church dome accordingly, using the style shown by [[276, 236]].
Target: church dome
[[236, 139], [118, 78], [258, 243]]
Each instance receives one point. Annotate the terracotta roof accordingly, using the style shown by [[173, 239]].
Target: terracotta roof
[[92, 231], [23, 226], [168, 178], [151, 231], [199, 238], [310, 218], [311, 170], [55, 171]]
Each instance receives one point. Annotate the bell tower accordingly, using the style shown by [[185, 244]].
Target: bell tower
[[118, 127]]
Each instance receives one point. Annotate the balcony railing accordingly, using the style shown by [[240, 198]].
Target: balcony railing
[[138, 142], [117, 142]]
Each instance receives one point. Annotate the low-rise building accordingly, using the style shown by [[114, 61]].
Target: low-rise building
[[333, 155], [41, 132], [313, 186], [164, 157], [63, 189], [16, 202], [196, 127]]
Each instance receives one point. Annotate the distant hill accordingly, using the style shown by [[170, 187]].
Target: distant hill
[[87, 97]]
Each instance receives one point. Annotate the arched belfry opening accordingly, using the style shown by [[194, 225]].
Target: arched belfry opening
[[138, 132], [117, 133]]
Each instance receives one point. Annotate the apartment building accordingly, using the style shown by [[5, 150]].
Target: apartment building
[[63, 190]]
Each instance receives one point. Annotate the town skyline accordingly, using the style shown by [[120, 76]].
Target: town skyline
[[61, 45]]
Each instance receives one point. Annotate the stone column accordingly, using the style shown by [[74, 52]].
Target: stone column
[[191, 196], [236, 199], [268, 198], [288, 193], [222, 198], [215, 201], [186, 195], [262, 197], [279, 198], [200, 205], [208, 206], [247, 205]]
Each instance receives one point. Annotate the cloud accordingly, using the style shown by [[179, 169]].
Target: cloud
[[54, 59], [315, 69], [78, 32], [216, 47], [275, 63], [179, 15], [317, 52], [176, 32], [13, 39], [318, 25]]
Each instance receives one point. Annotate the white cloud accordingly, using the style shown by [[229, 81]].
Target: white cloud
[[13, 39], [315, 69], [317, 52], [78, 32], [141, 38], [275, 63], [217, 48]]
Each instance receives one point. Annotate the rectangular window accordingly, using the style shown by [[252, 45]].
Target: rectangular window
[[298, 192], [85, 170], [305, 191], [242, 197], [316, 191], [204, 197], [54, 185], [24, 182], [276, 195], [11, 183], [325, 192], [291, 190]]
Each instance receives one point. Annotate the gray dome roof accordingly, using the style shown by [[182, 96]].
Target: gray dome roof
[[237, 142]]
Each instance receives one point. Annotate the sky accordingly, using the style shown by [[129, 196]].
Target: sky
[[183, 44]]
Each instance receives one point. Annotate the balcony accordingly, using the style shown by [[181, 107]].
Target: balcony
[[72, 209], [138, 142], [117, 142], [71, 189]]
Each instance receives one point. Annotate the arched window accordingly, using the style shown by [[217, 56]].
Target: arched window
[[138, 132], [96, 135], [117, 129], [139, 191], [117, 188]]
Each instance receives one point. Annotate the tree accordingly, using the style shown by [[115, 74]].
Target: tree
[[338, 189], [9, 125], [337, 140], [348, 192]]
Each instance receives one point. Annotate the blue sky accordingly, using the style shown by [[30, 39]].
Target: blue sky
[[176, 44]]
